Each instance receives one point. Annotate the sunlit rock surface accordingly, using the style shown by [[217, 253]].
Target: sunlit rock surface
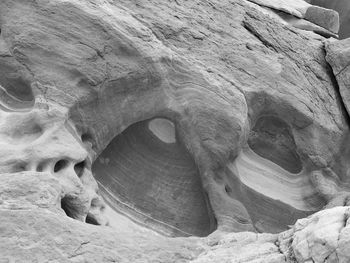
[[180, 131]]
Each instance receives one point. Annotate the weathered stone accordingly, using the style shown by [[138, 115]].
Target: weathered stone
[[319, 238], [20, 191], [323, 17], [288, 19], [343, 8], [338, 56], [195, 117], [326, 18]]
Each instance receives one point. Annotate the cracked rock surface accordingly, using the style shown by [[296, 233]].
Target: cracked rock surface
[[171, 131]]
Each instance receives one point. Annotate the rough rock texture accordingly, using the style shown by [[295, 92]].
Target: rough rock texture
[[33, 229], [291, 20], [338, 56], [195, 118]]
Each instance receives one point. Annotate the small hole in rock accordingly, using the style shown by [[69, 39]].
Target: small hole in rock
[[88, 140], [86, 137], [20, 167], [79, 168], [61, 164], [39, 168], [91, 220], [228, 189], [66, 207]]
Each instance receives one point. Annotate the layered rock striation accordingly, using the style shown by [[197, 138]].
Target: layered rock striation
[[165, 120], [144, 171]]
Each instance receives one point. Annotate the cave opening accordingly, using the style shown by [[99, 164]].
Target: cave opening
[[147, 174]]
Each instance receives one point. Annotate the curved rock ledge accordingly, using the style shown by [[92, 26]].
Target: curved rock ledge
[[273, 197]]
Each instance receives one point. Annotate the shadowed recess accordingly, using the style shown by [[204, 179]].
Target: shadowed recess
[[15, 93], [17, 88], [272, 139], [145, 173]]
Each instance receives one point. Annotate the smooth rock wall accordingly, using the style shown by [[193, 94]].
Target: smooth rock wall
[[156, 181], [343, 8]]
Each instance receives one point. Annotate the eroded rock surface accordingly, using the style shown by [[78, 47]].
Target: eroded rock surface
[[35, 230], [194, 117], [338, 57]]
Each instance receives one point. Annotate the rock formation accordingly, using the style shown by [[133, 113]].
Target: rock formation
[[343, 8], [338, 57], [172, 131], [325, 18]]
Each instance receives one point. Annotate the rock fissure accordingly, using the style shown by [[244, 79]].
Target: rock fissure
[[256, 34]]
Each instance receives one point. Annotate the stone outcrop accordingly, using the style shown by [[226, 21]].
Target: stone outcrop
[[325, 18], [207, 119], [338, 56], [343, 8], [34, 229]]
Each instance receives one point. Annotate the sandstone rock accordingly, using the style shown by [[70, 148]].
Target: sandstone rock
[[338, 56], [320, 238], [326, 18], [170, 180], [343, 8], [288, 19], [42, 140], [22, 192], [190, 127], [35, 234], [297, 8]]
